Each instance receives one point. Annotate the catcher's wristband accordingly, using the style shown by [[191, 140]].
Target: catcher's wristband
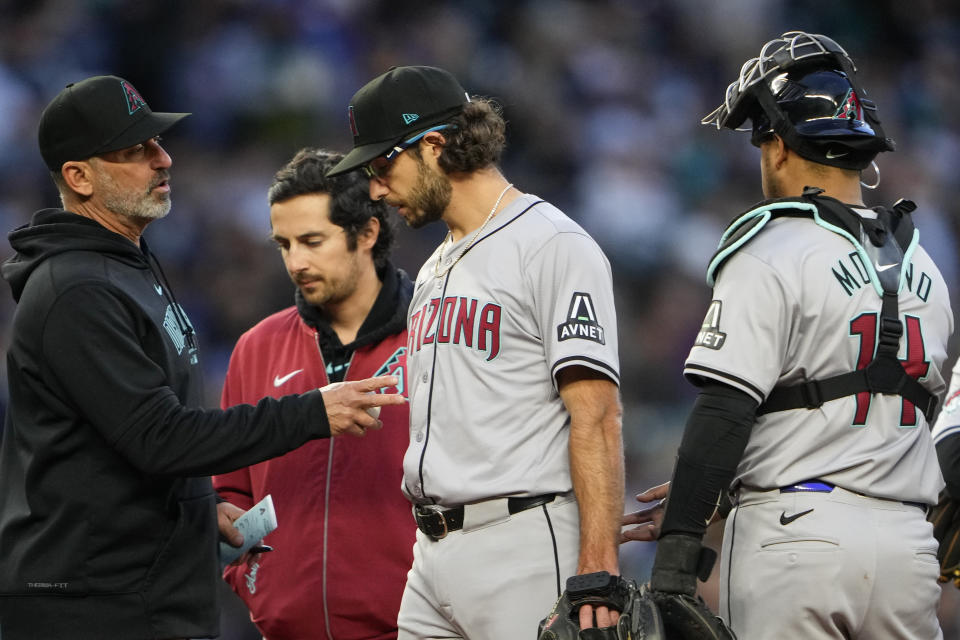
[[680, 560]]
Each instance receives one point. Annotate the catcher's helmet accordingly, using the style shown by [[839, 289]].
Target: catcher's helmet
[[803, 87]]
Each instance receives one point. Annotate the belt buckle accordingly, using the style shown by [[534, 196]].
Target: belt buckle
[[430, 511]]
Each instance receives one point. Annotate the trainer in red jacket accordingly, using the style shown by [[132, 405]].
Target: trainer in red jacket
[[345, 536]]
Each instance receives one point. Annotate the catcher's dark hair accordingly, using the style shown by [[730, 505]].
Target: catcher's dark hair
[[350, 203], [478, 138]]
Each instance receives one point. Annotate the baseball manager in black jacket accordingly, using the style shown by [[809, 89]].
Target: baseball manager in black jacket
[[108, 523]]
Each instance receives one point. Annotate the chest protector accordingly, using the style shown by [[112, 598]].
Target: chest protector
[[889, 240]]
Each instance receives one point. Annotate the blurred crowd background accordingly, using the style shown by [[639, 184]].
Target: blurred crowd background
[[603, 100]]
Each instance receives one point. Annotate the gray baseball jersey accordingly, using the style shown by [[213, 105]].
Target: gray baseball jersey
[[531, 296], [796, 304]]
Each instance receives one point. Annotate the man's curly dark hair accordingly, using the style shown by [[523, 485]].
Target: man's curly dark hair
[[477, 139], [350, 203]]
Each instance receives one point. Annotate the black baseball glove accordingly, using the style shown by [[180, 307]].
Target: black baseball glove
[[945, 518], [680, 560], [639, 618], [689, 618]]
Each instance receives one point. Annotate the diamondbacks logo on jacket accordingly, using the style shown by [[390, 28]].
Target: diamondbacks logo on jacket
[[710, 335], [395, 365], [581, 320]]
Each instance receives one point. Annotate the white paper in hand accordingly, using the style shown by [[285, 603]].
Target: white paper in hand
[[256, 523]]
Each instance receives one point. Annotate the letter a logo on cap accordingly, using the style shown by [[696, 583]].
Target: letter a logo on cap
[[134, 101], [353, 122]]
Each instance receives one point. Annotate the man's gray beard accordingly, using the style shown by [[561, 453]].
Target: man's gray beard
[[131, 205], [145, 210]]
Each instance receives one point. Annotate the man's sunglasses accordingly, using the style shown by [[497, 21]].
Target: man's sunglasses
[[378, 167]]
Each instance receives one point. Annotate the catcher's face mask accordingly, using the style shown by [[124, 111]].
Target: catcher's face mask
[[803, 87]]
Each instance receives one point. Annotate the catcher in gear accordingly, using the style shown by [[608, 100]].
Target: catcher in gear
[[816, 385]]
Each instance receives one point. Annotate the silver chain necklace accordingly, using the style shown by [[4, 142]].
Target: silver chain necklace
[[436, 267]]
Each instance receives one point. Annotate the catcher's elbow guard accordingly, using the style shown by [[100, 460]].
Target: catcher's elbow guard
[[639, 617]]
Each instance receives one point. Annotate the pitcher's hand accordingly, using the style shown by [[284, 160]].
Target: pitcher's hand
[[648, 519]]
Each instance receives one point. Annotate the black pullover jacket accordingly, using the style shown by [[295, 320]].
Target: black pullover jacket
[[108, 523]]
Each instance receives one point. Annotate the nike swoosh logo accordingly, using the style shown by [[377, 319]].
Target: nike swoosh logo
[[785, 519], [884, 267], [158, 289], [831, 155], [279, 380]]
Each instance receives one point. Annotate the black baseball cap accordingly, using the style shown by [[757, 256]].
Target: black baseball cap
[[395, 106], [97, 115]]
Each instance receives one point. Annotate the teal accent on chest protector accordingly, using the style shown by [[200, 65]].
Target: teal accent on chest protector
[[885, 244]]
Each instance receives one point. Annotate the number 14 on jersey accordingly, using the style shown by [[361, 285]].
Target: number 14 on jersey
[[915, 363]]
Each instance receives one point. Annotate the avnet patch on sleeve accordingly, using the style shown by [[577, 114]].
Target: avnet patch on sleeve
[[710, 335], [581, 320]]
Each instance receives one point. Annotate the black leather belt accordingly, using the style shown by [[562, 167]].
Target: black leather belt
[[437, 523]]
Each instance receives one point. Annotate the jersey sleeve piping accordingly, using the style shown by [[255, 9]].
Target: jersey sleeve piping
[[695, 370], [945, 433], [590, 363]]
